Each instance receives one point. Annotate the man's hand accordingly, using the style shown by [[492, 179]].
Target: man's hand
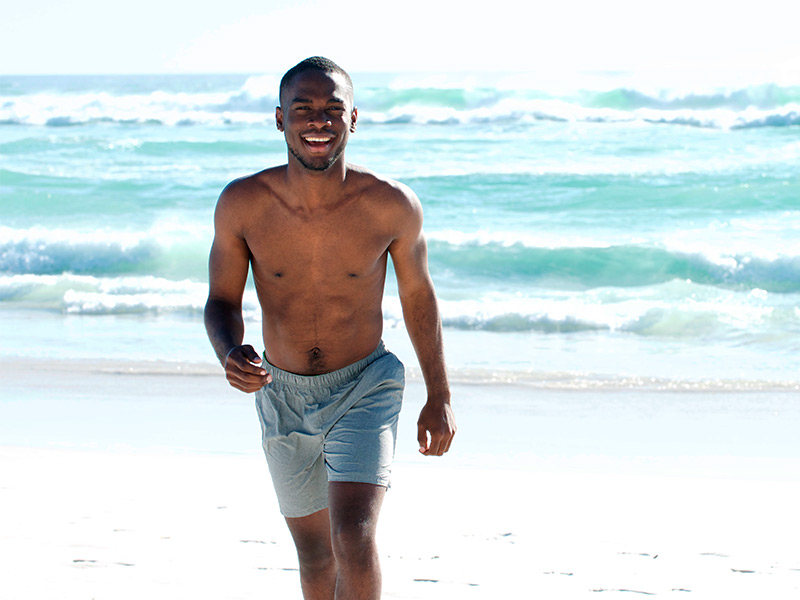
[[242, 370], [435, 428]]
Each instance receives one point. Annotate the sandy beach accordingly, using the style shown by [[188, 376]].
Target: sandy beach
[[123, 480]]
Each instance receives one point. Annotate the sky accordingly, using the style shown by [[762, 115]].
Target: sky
[[264, 36]]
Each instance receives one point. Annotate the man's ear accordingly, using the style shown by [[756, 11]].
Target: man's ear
[[353, 119], [279, 118]]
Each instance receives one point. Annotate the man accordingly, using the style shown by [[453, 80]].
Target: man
[[317, 232]]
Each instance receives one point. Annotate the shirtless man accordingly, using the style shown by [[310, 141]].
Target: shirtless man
[[317, 233]]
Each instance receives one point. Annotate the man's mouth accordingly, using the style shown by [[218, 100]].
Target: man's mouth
[[317, 141]]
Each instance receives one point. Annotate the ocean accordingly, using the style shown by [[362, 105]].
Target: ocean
[[600, 233]]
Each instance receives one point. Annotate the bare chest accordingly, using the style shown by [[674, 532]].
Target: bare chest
[[326, 248]]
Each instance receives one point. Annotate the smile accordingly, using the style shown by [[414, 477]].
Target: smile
[[317, 143]]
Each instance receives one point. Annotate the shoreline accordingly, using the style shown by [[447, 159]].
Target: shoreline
[[190, 408], [529, 379]]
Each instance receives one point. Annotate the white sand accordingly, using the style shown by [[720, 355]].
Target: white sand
[[499, 518]]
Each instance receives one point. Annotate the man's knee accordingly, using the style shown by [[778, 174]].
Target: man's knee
[[354, 543], [317, 559]]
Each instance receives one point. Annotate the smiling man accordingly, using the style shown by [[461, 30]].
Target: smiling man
[[317, 233]]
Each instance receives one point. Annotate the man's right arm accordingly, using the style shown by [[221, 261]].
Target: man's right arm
[[228, 264]]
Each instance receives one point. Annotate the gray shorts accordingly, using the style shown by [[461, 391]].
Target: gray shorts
[[339, 426]]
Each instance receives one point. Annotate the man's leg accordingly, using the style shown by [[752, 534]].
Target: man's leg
[[354, 510], [312, 538]]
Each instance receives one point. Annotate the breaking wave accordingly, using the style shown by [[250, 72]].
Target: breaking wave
[[252, 102]]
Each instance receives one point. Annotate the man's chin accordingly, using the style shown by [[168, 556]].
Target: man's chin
[[318, 164]]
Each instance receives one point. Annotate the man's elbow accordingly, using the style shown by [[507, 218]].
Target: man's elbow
[[216, 305]]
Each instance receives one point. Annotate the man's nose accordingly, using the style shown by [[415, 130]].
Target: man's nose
[[319, 118]]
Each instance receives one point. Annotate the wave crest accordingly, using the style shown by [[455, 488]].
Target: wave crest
[[253, 102], [629, 265]]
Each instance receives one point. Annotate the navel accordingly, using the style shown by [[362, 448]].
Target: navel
[[316, 361]]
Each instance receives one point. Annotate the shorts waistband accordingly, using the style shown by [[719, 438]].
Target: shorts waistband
[[325, 379]]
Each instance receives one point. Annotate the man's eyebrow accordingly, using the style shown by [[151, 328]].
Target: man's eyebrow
[[332, 100]]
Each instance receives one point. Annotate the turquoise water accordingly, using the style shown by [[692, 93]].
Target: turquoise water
[[607, 230]]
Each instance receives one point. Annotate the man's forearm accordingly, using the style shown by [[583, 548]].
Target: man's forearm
[[224, 325], [421, 315]]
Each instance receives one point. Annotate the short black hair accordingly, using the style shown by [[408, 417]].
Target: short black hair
[[313, 63]]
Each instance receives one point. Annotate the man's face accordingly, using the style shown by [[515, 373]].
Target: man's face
[[316, 116]]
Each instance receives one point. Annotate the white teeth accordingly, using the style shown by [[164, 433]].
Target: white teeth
[[315, 139]]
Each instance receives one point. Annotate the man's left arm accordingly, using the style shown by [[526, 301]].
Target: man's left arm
[[436, 425]]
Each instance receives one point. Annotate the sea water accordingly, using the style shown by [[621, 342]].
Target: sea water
[[599, 232]]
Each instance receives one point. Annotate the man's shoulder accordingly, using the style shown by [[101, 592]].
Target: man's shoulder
[[260, 184], [239, 198], [383, 189], [389, 202], [242, 194]]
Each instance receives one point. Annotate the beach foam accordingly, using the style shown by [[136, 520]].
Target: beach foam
[[428, 100]]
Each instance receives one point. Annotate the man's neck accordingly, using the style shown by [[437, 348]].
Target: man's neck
[[311, 190]]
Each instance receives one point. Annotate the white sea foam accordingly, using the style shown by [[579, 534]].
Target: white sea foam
[[769, 238], [92, 295], [528, 239], [255, 100], [678, 309], [187, 298], [146, 295], [172, 109]]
